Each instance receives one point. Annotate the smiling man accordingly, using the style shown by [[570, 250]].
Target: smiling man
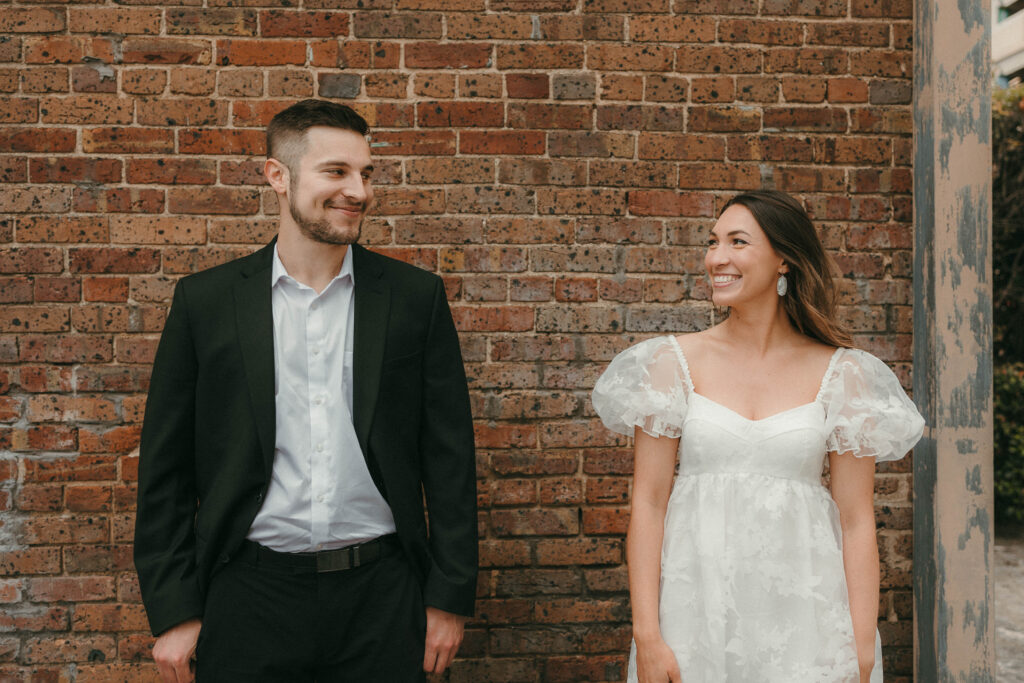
[[305, 402]]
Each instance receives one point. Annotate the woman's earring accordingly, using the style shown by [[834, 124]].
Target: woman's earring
[[782, 286]]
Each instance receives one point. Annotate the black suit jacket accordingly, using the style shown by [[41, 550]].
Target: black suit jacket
[[208, 438]]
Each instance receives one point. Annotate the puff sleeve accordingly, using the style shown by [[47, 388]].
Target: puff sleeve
[[867, 411], [644, 386]]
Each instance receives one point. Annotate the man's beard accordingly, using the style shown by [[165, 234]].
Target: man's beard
[[322, 230]]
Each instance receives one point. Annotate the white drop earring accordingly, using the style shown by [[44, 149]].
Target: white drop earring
[[782, 286]]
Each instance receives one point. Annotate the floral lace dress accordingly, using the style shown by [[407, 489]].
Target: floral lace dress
[[752, 581]]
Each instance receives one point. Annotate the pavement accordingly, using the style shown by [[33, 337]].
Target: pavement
[[1009, 570]]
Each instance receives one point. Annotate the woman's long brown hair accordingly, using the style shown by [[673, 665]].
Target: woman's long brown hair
[[810, 302]]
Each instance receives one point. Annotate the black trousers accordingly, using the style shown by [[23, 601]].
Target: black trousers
[[265, 623]]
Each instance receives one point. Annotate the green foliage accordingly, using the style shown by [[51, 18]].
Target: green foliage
[[1008, 224], [1009, 443]]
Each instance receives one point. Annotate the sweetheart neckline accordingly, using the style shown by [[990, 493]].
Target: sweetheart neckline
[[760, 419]]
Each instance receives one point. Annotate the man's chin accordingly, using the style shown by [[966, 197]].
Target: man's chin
[[328, 234]]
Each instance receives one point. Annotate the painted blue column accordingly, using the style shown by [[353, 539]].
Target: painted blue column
[[954, 625]]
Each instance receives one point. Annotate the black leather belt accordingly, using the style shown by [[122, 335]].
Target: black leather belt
[[338, 560]]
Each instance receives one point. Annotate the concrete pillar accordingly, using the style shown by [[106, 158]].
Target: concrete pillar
[[954, 626]]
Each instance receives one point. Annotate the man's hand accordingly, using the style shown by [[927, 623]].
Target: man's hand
[[173, 652], [444, 635]]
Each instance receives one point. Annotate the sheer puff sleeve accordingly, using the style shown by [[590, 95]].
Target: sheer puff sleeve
[[644, 386], [867, 411]]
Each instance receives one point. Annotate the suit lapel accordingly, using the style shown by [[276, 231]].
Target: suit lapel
[[372, 301], [254, 321]]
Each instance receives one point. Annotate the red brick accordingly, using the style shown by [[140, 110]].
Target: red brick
[[706, 59], [36, 200], [19, 110], [172, 171], [15, 290], [446, 230], [45, 649], [487, 199], [482, 27], [30, 260], [166, 51], [193, 81], [143, 81], [538, 115], [212, 200], [661, 88], [681, 147], [32, 20], [501, 142], [404, 25], [667, 203], [585, 551], [285, 23], [803, 89], [622, 87], [216, 141], [807, 61], [542, 172], [182, 112], [13, 139], [543, 522], [815, 8], [34, 319], [72, 348], [531, 55], [253, 52], [74, 169], [211, 21], [682, 28], [129, 140], [118, 200], [109, 289], [629, 57], [447, 55], [805, 118], [460, 114]]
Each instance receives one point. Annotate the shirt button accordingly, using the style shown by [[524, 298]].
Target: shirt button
[[313, 306], [319, 448], [316, 350]]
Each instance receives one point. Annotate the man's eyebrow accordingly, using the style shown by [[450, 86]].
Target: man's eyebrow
[[342, 164]]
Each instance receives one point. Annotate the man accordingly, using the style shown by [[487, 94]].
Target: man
[[305, 402]]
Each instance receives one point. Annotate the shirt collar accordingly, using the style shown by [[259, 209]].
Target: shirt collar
[[278, 271]]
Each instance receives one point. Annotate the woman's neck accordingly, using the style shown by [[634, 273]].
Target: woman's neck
[[758, 330]]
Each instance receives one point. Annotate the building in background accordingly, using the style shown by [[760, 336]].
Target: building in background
[[1008, 42]]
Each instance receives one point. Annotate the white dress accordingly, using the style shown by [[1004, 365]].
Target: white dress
[[752, 581]]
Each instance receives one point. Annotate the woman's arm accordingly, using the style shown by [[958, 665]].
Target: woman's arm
[[653, 467], [853, 486]]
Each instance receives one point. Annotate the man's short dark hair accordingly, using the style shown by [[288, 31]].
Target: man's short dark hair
[[287, 130]]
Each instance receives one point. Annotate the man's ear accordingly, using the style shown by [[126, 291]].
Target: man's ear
[[277, 175]]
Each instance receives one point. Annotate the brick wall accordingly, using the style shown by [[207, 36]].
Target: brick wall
[[557, 161]]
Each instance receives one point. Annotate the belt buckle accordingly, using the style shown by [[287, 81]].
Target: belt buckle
[[333, 561]]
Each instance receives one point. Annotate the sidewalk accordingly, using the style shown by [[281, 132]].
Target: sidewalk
[[1009, 571]]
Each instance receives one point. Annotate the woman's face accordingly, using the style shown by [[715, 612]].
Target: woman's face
[[741, 263]]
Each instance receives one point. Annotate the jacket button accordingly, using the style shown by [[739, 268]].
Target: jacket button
[[224, 559], [259, 497]]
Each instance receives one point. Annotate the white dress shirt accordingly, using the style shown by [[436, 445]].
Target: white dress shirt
[[321, 495]]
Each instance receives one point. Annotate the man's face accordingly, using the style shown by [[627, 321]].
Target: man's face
[[329, 191]]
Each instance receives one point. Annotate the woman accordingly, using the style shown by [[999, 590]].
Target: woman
[[745, 567]]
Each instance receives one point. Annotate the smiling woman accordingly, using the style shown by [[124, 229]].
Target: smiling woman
[[742, 566], [778, 224]]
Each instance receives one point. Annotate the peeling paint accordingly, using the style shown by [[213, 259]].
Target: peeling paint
[[953, 484]]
